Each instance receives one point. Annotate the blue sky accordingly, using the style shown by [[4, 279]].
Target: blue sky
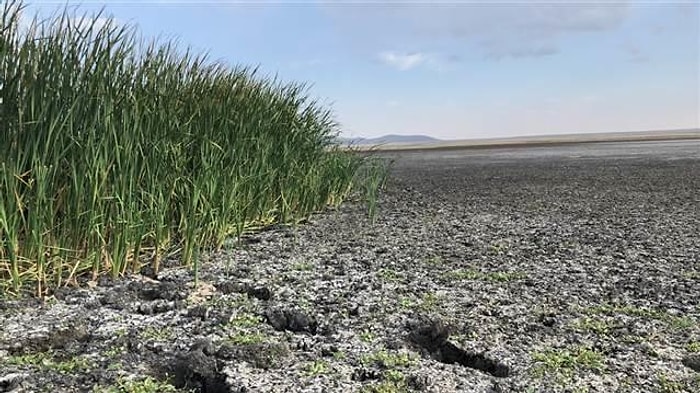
[[454, 70]]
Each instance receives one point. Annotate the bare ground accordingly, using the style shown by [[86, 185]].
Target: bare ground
[[558, 269]]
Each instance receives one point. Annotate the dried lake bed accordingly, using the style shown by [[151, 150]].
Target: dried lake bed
[[571, 268]]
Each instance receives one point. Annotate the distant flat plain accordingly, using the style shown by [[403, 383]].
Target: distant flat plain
[[689, 136]]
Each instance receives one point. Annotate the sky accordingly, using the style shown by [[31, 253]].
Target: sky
[[452, 70]]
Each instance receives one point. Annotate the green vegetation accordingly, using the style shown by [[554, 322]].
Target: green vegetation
[[303, 266], [564, 362], [393, 379], [385, 387], [676, 322], [387, 360], [598, 326], [405, 302], [367, 336], [45, 360], [390, 275], [498, 247], [114, 153], [316, 368], [435, 260], [372, 178], [146, 385], [157, 333], [475, 275], [430, 302], [246, 320], [693, 346], [667, 385], [246, 338]]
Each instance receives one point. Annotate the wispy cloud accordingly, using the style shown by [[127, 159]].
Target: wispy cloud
[[403, 61], [517, 29]]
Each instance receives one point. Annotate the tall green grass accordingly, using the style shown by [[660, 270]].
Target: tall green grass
[[115, 152]]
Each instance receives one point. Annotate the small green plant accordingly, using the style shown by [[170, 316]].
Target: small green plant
[[246, 338], [567, 361], [385, 387], [390, 275], [367, 336], [44, 360], [666, 385], [303, 266], [316, 368], [430, 301], [676, 322], [387, 360], [405, 302], [33, 359], [339, 355], [146, 385], [115, 351], [245, 320], [157, 333], [395, 376], [372, 176], [597, 326], [681, 323], [435, 260], [693, 346], [498, 247], [69, 366]]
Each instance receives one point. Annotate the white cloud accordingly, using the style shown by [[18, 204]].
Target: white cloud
[[402, 61]]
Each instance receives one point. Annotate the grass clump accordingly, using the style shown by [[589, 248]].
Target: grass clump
[[385, 387], [114, 153], [46, 361], [371, 178], [474, 275], [393, 380], [598, 326], [667, 385], [676, 322], [430, 302], [387, 360], [390, 275], [247, 338], [246, 320], [567, 361], [693, 346], [157, 333], [316, 368], [146, 385], [367, 336]]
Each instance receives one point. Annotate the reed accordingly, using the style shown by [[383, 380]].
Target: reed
[[114, 152]]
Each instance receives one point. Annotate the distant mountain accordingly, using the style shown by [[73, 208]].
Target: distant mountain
[[389, 139]]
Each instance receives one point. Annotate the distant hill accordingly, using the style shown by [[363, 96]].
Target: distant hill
[[389, 139]]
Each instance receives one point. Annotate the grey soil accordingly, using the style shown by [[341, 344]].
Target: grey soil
[[555, 269]]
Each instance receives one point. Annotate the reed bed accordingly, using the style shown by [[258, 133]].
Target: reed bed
[[115, 152]]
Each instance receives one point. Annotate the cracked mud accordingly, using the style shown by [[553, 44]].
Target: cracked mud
[[557, 269]]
